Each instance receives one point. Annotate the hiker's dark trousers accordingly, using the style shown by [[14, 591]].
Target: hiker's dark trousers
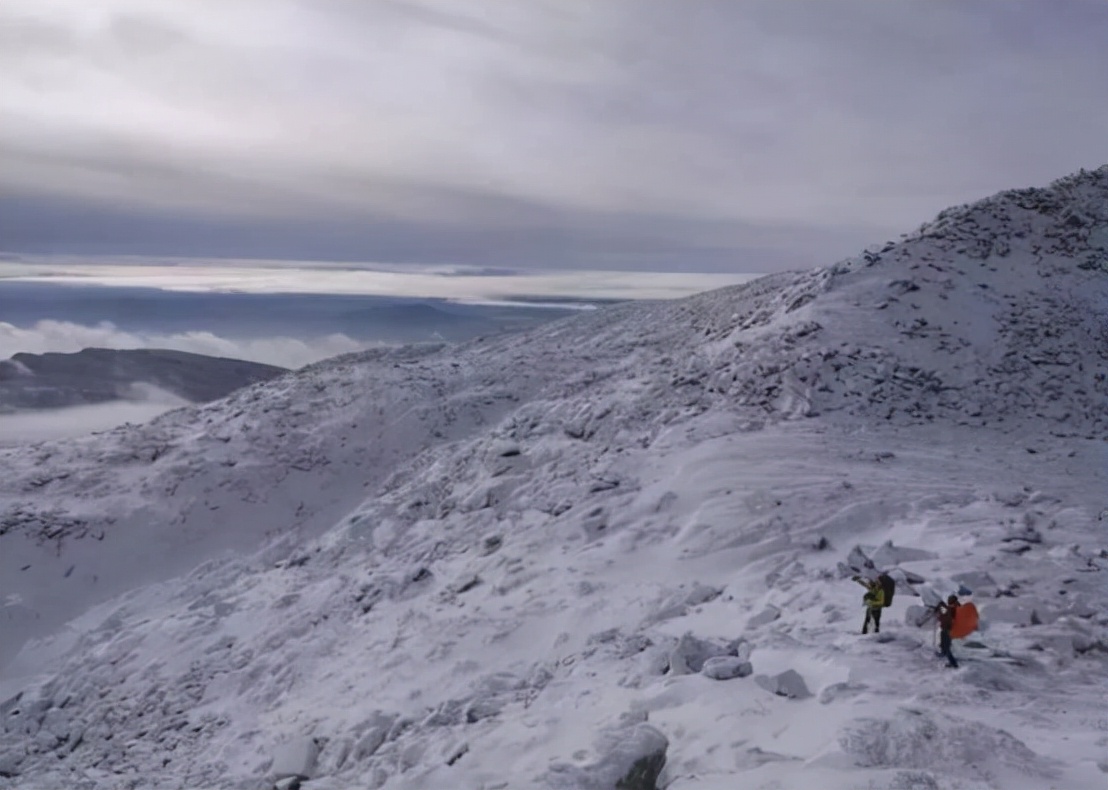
[[873, 615], [944, 648]]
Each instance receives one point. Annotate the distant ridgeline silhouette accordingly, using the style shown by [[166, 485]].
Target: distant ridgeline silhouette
[[100, 375]]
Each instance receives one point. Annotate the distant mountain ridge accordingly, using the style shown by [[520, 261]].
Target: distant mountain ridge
[[369, 319], [100, 375]]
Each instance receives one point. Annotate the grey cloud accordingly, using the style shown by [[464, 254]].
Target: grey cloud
[[509, 234], [657, 131], [42, 426]]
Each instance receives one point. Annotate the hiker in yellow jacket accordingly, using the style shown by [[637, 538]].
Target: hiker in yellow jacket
[[874, 601]]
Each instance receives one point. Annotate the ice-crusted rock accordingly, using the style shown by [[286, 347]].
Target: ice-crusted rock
[[887, 555], [786, 684], [993, 676], [679, 602], [326, 783], [740, 647], [858, 560], [726, 668], [690, 654], [702, 593], [630, 758], [296, 759], [915, 739], [916, 615], [10, 760], [764, 617], [1014, 613], [838, 691], [980, 582], [371, 734], [654, 661], [1026, 533]]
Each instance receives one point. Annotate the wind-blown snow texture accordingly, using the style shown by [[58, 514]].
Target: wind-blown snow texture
[[609, 547]]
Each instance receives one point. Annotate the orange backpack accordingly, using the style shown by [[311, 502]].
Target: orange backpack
[[965, 621]]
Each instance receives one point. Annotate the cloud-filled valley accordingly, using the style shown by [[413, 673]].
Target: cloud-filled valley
[[39, 426], [285, 313]]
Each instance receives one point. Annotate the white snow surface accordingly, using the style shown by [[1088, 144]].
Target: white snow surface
[[539, 560]]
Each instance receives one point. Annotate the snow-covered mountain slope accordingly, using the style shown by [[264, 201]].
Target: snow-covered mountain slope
[[99, 375], [518, 562]]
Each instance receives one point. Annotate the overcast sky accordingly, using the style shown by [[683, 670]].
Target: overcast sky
[[688, 135]]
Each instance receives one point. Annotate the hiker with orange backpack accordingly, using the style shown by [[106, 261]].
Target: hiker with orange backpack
[[947, 612]]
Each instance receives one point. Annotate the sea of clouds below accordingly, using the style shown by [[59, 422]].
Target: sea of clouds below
[[284, 313]]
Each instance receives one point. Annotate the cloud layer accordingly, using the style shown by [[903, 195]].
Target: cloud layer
[[625, 134], [38, 426], [456, 283]]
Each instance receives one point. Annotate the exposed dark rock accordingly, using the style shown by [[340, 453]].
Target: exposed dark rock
[[644, 772]]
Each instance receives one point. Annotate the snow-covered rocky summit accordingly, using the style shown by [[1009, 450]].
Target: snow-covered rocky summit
[[606, 552]]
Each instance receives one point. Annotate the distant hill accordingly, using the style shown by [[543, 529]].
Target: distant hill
[[101, 375]]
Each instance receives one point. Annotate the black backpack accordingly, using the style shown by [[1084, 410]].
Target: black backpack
[[888, 585]]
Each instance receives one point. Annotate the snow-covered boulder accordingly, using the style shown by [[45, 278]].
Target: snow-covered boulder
[[1024, 532], [917, 616], [296, 759], [1013, 613], [857, 560], [726, 668], [10, 761], [915, 739], [906, 578], [371, 734], [630, 759], [325, 783], [679, 602], [887, 555], [691, 653], [764, 617], [979, 582], [787, 684]]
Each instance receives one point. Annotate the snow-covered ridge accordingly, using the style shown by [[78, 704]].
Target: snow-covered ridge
[[503, 564], [993, 312]]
